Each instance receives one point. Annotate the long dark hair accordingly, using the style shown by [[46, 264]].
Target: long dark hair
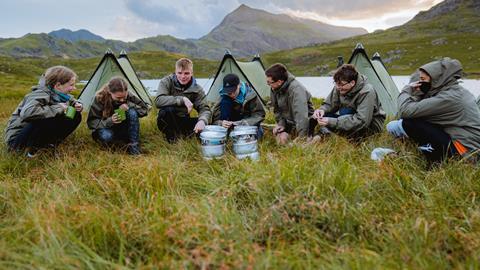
[[104, 97]]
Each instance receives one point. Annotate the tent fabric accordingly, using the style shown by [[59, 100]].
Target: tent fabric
[[379, 77], [478, 101], [385, 76], [125, 63], [252, 72], [108, 68]]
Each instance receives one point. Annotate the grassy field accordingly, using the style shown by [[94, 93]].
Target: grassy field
[[321, 206]]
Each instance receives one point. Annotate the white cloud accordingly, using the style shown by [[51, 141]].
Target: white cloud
[[128, 28]]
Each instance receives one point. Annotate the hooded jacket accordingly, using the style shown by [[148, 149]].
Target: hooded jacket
[[292, 105], [96, 120], [171, 93], [41, 103], [252, 110], [363, 100], [446, 104]]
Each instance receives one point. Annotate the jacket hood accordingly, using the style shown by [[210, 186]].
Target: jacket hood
[[443, 73], [359, 85], [285, 85]]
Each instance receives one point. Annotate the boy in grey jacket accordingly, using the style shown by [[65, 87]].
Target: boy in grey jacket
[[291, 103], [177, 94], [352, 108], [437, 113]]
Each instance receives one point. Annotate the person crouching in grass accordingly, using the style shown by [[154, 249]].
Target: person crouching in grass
[[239, 105], [438, 114], [114, 116], [352, 108], [46, 115]]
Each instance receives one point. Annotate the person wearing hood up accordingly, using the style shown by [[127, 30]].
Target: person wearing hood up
[[239, 105], [177, 95], [291, 103], [352, 108], [437, 113], [46, 115]]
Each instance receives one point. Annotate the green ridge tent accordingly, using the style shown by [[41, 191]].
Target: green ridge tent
[[252, 72], [385, 76], [377, 76], [108, 68]]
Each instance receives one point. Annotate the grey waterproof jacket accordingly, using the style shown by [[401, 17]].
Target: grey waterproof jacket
[[171, 94], [41, 103], [96, 120], [447, 103], [252, 111], [363, 100], [292, 105]]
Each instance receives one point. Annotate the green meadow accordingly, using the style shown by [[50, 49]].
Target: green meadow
[[321, 206]]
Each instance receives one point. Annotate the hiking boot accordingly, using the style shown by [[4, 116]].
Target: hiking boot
[[134, 149]]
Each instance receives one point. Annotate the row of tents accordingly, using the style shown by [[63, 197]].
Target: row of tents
[[252, 72]]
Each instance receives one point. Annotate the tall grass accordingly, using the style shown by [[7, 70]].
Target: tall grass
[[318, 206]]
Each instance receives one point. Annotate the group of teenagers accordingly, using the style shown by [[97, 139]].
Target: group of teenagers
[[434, 110]]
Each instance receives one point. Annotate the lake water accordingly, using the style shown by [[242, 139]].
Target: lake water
[[321, 86]]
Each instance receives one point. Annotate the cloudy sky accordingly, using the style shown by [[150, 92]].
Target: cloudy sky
[[133, 19]]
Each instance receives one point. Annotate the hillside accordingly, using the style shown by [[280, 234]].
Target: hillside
[[245, 32], [450, 28]]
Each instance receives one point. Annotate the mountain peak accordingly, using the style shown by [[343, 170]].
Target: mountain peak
[[73, 36]]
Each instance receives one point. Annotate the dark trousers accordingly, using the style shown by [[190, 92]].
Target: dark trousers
[[127, 131], [43, 132], [434, 143], [173, 126], [232, 111]]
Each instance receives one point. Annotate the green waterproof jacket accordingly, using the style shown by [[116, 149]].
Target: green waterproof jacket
[[446, 104], [170, 94], [41, 103], [96, 120], [363, 99], [252, 111], [292, 105]]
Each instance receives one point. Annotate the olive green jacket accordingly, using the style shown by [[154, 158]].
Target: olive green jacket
[[171, 94], [252, 110], [41, 103], [96, 120], [292, 105], [363, 100]]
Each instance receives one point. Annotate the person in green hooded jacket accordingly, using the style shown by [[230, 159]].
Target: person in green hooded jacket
[[352, 108], [437, 113], [291, 103], [239, 105], [41, 119]]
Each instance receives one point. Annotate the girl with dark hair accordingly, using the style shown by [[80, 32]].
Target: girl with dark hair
[[114, 116]]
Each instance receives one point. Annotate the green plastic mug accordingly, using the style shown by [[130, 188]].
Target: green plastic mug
[[70, 112], [121, 114]]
